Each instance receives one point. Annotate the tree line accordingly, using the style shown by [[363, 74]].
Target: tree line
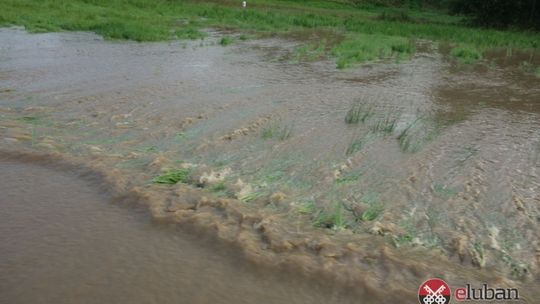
[[501, 14]]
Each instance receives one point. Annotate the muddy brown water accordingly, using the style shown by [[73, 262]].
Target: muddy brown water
[[463, 187], [62, 241]]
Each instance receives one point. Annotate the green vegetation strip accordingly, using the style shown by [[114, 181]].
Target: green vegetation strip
[[371, 33]]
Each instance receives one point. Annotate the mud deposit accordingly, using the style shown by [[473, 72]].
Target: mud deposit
[[372, 178], [62, 241]]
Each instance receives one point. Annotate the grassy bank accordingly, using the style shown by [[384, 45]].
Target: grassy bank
[[154, 20]]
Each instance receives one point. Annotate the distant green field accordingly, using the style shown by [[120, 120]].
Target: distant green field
[[155, 20]]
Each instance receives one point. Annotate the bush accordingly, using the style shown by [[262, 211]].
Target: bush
[[500, 13]]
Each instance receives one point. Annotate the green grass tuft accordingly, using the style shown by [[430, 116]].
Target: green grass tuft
[[226, 40], [172, 176], [466, 54], [374, 209], [189, 33], [372, 212], [361, 48], [332, 220]]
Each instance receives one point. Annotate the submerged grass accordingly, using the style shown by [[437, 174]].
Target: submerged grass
[[372, 33], [310, 51], [416, 134], [372, 212], [444, 191], [34, 136], [357, 143], [387, 125], [35, 120], [133, 163], [374, 209], [277, 131], [189, 32], [358, 112], [530, 68]]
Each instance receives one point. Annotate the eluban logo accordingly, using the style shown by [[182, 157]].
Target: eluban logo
[[434, 291], [485, 293]]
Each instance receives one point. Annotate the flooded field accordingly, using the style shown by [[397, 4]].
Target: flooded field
[[373, 178]]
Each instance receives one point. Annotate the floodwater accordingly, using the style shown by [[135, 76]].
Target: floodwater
[[441, 178], [62, 241]]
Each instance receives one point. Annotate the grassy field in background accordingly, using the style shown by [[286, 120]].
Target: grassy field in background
[[370, 32]]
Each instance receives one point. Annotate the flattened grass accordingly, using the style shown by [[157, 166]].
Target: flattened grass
[[172, 177]]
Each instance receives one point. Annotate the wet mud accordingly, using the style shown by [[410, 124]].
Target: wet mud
[[438, 177]]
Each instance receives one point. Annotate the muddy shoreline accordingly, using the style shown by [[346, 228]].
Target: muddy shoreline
[[64, 239]]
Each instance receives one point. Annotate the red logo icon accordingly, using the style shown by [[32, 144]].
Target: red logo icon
[[434, 291]]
